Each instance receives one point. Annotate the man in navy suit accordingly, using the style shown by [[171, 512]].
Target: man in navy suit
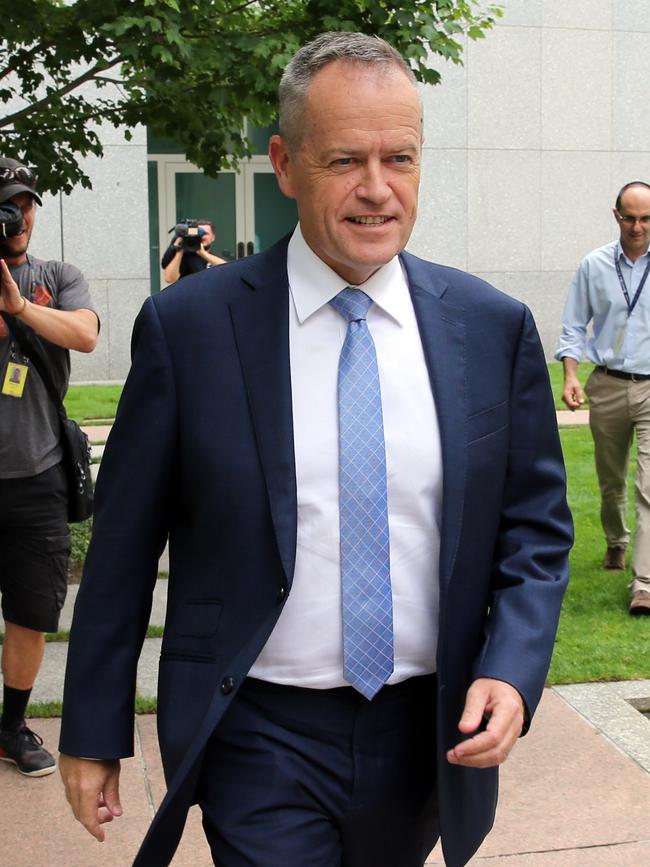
[[229, 440]]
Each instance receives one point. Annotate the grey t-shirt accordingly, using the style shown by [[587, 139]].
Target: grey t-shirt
[[29, 425]]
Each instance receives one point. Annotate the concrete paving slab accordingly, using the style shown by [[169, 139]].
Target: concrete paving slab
[[97, 433], [147, 681], [625, 855], [49, 683], [39, 830], [566, 417], [613, 709]]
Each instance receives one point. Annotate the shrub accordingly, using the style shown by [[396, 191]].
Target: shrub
[[79, 539]]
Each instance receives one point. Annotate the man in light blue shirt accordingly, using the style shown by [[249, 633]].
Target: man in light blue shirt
[[609, 290]]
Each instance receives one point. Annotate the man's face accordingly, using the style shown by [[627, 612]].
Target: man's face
[[14, 249], [633, 218], [208, 238], [355, 177]]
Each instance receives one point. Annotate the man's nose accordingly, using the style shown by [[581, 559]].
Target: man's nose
[[374, 184]]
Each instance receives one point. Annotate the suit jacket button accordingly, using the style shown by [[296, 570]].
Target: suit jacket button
[[227, 685], [282, 592]]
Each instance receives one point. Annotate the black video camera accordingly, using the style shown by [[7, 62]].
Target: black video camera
[[11, 220], [191, 233]]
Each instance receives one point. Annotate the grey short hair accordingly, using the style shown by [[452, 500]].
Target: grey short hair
[[326, 48]]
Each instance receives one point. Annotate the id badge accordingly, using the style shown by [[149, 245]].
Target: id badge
[[14, 381], [620, 338]]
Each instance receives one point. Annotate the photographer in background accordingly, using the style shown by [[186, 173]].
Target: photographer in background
[[189, 252], [49, 303]]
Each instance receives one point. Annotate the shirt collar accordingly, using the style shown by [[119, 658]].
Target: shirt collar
[[313, 284], [620, 253]]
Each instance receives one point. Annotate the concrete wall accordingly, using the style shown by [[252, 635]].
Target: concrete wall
[[104, 231], [528, 143], [526, 146]]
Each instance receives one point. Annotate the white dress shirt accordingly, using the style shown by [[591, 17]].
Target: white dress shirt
[[306, 646]]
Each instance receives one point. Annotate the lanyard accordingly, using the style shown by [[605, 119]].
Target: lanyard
[[631, 305]]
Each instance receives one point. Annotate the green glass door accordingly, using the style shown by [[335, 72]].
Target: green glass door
[[247, 209], [273, 215], [201, 198]]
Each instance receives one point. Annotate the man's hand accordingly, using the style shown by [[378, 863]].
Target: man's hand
[[92, 790], [11, 301], [573, 395], [204, 253], [502, 705]]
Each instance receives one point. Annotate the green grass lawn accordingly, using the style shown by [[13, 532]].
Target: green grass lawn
[[90, 402], [597, 638]]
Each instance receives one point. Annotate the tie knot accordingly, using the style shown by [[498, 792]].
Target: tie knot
[[352, 304]]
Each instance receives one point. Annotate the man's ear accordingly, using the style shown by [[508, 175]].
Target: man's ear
[[281, 161]]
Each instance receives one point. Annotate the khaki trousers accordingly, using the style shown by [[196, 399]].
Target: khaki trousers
[[618, 409]]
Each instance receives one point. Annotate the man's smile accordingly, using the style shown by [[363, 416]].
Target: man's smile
[[369, 221]]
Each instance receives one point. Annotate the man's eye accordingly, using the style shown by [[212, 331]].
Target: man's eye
[[402, 159], [343, 161]]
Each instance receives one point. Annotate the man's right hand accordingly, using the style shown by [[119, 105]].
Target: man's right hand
[[92, 790], [573, 395]]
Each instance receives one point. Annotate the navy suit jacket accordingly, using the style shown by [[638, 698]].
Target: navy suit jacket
[[202, 452]]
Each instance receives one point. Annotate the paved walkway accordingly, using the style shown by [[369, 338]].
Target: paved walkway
[[574, 793]]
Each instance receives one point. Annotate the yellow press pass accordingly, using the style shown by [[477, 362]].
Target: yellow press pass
[[15, 377]]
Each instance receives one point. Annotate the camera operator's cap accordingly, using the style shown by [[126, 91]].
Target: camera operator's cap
[[16, 178]]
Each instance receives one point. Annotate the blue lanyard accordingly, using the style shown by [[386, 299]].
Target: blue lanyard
[[631, 305]]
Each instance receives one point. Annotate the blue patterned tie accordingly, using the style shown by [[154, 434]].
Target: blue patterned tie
[[365, 554]]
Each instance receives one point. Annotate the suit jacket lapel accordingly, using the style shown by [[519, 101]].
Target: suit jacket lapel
[[442, 331], [260, 319]]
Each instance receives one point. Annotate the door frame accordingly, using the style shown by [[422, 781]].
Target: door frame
[[168, 165]]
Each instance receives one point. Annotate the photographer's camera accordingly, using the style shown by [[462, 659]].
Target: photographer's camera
[[11, 220], [191, 233]]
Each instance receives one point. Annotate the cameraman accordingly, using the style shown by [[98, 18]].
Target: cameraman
[[178, 262], [49, 303]]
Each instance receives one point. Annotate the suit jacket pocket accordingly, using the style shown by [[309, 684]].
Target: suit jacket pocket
[[192, 630], [197, 618], [487, 421]]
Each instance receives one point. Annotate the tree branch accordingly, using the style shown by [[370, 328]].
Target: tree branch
[[73, 85], [239, 8], [106, 80]]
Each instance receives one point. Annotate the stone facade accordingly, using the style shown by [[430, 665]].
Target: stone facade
[[526, 145]]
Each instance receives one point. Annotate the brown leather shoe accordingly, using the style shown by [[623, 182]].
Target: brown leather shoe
[[615, 558], [640, 604]]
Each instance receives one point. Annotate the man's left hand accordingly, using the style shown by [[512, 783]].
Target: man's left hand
[[11, 300], [503, 707]]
